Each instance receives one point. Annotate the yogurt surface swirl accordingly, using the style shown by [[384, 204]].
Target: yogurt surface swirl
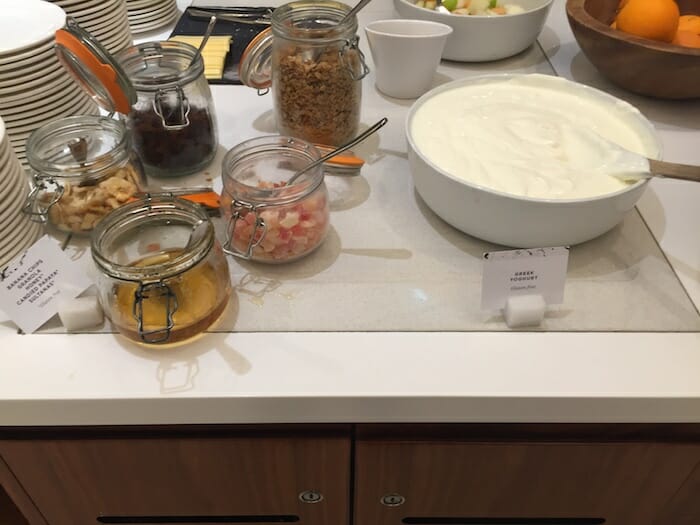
[[533, 135]]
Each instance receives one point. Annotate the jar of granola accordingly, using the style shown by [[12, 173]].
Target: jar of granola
[[83, 167], [269, 220], [314, 66], [162, 276]]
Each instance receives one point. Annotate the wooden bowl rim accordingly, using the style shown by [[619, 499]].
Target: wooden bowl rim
[[576, 10]]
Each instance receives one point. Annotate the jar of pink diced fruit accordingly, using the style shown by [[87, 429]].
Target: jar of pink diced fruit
[[269, 220]]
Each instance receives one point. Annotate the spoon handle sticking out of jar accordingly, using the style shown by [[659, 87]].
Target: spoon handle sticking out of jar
[[362, 136], [207, 34], [354, 10]]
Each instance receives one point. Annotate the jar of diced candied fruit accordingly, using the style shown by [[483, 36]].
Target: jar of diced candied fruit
[[269, 220]]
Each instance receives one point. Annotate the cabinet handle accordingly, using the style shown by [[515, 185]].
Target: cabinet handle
[[311, 496], [393, 500]]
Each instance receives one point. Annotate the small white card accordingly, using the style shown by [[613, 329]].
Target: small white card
[[34, 282], [535, 271]]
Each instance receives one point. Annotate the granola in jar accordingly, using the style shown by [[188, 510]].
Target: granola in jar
[[310, 59], [316, 96]]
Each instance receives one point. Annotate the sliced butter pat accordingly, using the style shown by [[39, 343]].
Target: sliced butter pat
[[213, 54]]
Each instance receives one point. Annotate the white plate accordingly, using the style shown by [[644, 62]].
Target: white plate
[[38, 104], [86, 11], [25, 74], [126, 42], [29, 56], [139, 14], [27, 126], [29, 76], [113, 26], [47, 112], [22, 242], [73, 3], [19, 137], [15, 199], [99, 25], [38, 92], [121, 29], [25, 23], [21, 87], [140, 4], [141, 28]]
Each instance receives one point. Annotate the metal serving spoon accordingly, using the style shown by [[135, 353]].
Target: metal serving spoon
[[362, 136], [205, 38]]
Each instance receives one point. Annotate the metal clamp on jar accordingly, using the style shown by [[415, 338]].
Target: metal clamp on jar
[[163, 277], [83, 168], [314, 65], [268, 220], [161, 90]]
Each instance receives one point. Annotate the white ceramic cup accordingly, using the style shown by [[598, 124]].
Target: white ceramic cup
[[406, 54]]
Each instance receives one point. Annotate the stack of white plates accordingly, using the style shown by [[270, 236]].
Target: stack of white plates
[[147, 15], [106, 20], [34, 87], [17, 232]]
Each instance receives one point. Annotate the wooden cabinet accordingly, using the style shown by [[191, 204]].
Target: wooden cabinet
[[217, 477], [354, 475], [512, 479]]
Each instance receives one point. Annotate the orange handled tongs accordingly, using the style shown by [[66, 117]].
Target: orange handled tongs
[[346, 163], [205, 196]]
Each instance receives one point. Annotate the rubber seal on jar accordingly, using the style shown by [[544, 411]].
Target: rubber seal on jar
[[255, 67], [94, 68]]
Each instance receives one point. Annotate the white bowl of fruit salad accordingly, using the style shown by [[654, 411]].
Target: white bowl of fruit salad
[[483, 30]]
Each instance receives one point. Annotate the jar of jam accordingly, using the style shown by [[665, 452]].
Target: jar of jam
[[314, 66], [83, 167], [268, 220], [163, 278], [159, 88]]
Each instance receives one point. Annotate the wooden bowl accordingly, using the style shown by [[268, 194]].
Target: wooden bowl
[[637, 64]]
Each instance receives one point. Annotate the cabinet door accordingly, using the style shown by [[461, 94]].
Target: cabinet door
[[184, 480], [456, 483]]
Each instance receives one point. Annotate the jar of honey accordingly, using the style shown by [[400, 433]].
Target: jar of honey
[[163, 277]]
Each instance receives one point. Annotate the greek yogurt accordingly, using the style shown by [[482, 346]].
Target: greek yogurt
[[536, 136]]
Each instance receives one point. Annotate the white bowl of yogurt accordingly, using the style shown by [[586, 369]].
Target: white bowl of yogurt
[[515, 160]]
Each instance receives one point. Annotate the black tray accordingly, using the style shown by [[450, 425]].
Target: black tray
[[241, 33]]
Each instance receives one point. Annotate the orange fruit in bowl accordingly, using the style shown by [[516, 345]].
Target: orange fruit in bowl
[[653, 19], [689, 23], [687, 39], [688, 34]]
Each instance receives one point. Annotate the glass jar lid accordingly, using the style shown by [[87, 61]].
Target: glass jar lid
[[313, 22], [79, 147], [255, 67], [154, 66], [94, 68], [145, 227], [255, 171]]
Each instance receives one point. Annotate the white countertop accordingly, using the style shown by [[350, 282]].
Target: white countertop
[[383, 376]]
